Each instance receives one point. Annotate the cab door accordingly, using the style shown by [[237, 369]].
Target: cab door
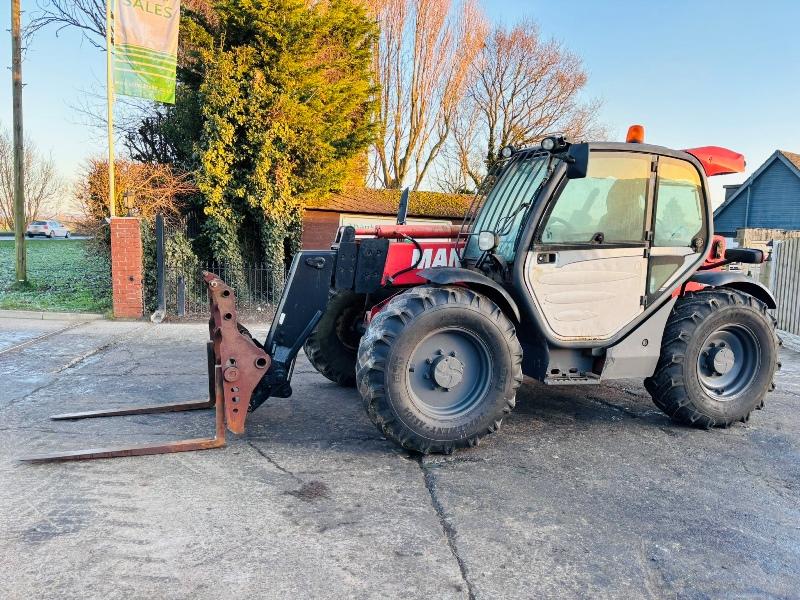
[[680, 227], [587, 270]]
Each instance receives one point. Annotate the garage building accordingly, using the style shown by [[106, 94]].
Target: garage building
[[364, 207]]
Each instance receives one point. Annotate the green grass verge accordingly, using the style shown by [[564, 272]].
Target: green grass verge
[[61, 277]]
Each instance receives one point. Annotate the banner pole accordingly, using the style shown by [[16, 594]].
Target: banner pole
[[110, 108]]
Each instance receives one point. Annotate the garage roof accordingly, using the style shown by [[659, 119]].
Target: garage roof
[[385, 202]]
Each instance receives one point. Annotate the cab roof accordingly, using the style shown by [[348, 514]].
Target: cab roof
[[714, 160]]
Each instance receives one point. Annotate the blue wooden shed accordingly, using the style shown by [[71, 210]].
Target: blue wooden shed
[[769, 199]]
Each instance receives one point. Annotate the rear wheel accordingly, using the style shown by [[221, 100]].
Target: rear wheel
[[51, 235], [718, 358], [332, 348], [439, 368], [66, 236]]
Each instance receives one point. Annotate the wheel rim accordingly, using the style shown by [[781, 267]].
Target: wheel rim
[[729, 361], [449, 372]]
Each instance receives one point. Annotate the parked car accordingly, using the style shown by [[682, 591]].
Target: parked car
[[49, 229]]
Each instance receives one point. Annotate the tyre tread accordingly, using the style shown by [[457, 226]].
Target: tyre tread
[[374, 352], [666, 385]]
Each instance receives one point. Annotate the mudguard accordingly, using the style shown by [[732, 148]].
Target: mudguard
[[474, 280], [736, 281]]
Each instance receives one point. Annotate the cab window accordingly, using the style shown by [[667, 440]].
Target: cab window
[[505, 206], [607, 206], [679, 217]]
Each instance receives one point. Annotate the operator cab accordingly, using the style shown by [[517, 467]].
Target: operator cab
[[590, 237]]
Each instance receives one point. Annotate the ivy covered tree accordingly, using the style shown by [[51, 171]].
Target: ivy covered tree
[[274, 104]]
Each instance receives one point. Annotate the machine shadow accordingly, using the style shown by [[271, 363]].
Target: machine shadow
[[332, 418]]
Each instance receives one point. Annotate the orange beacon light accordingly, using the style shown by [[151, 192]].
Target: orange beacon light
[[635, 134]]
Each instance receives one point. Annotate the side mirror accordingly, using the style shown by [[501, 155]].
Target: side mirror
[[748, 256], [577, 160]]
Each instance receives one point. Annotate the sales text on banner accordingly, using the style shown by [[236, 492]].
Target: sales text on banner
[[146, 48]]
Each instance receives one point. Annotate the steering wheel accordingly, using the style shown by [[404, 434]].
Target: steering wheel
[[568, 228]]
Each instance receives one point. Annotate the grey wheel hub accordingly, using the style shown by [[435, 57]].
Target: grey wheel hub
[[721, 359], [729, 361], [448, 371]]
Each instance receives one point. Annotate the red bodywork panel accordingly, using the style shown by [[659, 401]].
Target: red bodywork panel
[[403, 255], [718, 161], [715, 255]]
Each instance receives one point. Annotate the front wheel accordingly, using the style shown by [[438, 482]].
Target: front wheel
[[66, 236], [718, 358], [439, 368], [333, 345]]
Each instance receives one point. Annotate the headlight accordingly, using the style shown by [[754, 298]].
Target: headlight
[[555, 143], [507, 151], [487, 240]]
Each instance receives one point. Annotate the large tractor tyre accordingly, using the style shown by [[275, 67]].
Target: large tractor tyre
[[718, 358], [439, 368], [332, 347]]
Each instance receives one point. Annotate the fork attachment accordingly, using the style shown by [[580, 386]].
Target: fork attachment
[[236, 365], [242, 360]]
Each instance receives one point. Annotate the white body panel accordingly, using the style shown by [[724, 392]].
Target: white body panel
[[588, 294]]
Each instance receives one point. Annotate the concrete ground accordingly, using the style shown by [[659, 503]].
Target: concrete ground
[[585, 492]]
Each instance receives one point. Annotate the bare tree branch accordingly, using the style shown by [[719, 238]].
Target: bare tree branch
[[42, 183], [153, 189], [422, 65], [88, 16], [522, 88]]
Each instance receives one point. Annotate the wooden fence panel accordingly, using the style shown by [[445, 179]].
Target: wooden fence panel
[[786, 285]]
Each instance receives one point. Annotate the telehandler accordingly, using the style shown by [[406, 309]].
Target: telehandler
[[577, 263]]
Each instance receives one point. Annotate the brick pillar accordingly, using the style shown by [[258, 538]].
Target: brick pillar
[[126, 267]]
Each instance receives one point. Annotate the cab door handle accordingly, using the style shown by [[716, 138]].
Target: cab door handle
[[545, 258]]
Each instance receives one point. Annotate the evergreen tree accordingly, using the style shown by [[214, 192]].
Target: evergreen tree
[[275, 101]]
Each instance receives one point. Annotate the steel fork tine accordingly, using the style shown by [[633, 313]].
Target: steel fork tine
[[217, 441], [135, 410], [236, 365]]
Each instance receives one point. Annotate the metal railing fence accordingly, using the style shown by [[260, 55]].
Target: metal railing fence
[[786, 284]]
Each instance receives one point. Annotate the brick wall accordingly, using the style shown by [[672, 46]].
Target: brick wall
[[319, 229], [126, 267]]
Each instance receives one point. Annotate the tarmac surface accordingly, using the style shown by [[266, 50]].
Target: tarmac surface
[[585, 491]]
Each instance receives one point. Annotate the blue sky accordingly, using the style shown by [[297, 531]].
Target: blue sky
[[693, 72]]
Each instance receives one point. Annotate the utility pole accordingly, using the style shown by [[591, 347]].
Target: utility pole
[[19, 163]]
